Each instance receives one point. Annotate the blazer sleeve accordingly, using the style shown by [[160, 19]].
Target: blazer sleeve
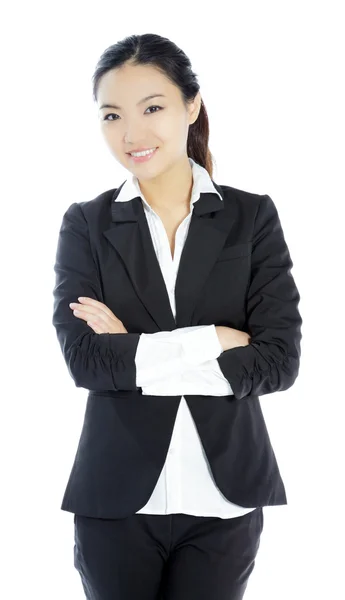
[[270, 363], [95, 361]]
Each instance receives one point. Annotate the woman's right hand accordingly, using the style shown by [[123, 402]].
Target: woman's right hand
[[232, 338], [97, 315]]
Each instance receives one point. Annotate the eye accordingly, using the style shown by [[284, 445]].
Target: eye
[[109, 114]]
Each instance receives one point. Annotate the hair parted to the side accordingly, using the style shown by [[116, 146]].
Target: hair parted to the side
[[170, 60]]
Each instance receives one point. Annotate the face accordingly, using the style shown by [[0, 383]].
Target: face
[[161, 122]]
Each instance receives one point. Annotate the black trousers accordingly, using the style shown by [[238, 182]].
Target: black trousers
[[166, 557]]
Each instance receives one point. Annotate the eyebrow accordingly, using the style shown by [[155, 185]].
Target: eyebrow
[[140, 101]]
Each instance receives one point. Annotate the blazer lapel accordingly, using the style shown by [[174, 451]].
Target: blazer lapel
[[131, 238], [206, 237]]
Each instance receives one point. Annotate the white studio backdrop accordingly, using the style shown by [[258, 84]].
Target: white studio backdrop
[[271, 76]]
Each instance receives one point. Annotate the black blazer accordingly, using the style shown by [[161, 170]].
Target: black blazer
[[235, 270]]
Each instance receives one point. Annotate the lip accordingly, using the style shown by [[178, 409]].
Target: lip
[[142, 159], [141, 149]]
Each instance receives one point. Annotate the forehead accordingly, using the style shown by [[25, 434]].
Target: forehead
[[129, 84]]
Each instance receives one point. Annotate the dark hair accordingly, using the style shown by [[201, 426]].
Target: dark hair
[[169, 59]]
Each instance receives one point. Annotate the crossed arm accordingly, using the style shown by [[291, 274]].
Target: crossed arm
[[170, 362], [269, 363]]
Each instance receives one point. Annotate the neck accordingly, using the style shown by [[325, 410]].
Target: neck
[[171, 190]]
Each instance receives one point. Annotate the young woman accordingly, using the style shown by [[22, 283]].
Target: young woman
[[175, 307]]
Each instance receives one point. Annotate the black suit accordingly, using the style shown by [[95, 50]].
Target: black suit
[[234, 271]]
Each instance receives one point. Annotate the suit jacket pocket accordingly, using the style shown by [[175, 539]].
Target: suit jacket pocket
[[236, 251]]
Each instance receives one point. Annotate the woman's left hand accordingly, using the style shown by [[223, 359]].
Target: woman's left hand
[[98, 316]]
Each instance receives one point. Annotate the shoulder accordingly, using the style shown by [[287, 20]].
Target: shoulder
[[250, 202], [94, 209], [231, 193], [99, 204]]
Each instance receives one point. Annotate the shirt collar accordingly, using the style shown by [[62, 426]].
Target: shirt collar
[[202, 182]]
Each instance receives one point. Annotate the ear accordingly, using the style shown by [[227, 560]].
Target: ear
[[194, 108]]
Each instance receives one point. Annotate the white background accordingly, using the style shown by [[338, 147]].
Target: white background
[[272, 77]]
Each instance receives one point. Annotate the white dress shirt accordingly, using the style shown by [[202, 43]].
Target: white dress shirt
[[182, 361]]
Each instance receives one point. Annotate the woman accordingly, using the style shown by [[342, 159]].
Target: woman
[[174, 305]]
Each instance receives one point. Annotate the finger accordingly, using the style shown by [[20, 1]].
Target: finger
[[92, 302], [99, 309], [96, 326], [96, 308], [85, 309], [101, 319], [89, 311]]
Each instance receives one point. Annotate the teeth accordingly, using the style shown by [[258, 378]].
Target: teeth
[[143, 153]]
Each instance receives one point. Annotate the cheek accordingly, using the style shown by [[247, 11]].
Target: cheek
[[181, 130], [108, 136], [168, 128], [113, 140]]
